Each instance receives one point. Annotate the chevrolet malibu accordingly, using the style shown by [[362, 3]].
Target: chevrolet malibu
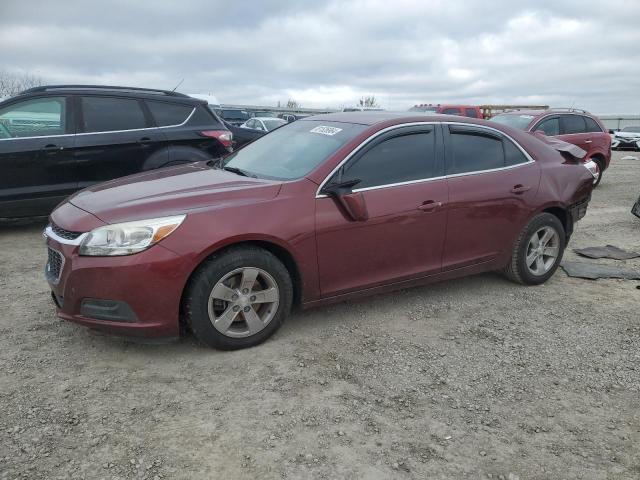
[[321, 210]]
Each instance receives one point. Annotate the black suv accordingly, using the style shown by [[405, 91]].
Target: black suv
[[55, 140]]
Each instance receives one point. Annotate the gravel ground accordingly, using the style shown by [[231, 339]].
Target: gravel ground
[[472, 378]]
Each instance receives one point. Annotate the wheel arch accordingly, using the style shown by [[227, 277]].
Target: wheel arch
[[274, 247]]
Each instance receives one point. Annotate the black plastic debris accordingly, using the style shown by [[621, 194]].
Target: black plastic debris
[[608, 251], [593, 271]]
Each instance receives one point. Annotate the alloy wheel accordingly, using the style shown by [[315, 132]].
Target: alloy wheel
[[243, 302], [542, 251]]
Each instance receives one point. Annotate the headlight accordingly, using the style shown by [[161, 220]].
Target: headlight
[[128, 238]]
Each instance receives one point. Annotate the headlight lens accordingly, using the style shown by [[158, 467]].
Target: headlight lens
[[128, 238]]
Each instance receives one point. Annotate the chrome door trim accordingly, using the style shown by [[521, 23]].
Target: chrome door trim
[[412, 124]]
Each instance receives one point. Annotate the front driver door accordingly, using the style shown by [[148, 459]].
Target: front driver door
[[401, 181], [36, 159]]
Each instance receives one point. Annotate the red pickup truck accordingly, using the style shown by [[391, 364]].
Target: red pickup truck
[[446, 109]]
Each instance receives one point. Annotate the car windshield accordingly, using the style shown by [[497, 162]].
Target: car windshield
[[273, 124], [631, 129], [519, 121], [293, 150]]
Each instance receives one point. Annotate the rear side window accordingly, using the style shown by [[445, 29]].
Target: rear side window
[[471, 112], [108, 114], [166, 114], [592, 125], [573, 124], [33, 118], [550, 127], [202, 117], [398, 159], [451, 111], [512, 154], [474, 151]]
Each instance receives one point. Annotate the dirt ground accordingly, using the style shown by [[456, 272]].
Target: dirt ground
[[472, 378]]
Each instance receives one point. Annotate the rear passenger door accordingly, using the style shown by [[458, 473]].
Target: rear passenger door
[[116, 137], [573, 130], [492, 184]]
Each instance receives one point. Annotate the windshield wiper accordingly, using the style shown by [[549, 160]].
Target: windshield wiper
[[238, 171]]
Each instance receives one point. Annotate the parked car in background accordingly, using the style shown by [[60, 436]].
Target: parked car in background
[[292, 117], [627, 138], [265, 124], [363, 109], [570, 125], [444, 109], [55, 140], [242, 136], [233, 115], [320, 210], [263, 114]]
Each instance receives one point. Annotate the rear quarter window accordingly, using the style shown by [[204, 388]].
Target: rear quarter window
[[592, 125], [202, 117], [166, 114]]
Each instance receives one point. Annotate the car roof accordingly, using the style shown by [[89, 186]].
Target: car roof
[[548, 111], [373, 118], [266, 118], [111, 90]]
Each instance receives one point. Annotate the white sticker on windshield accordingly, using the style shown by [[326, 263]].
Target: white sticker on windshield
[[325, 130], [526, 116]]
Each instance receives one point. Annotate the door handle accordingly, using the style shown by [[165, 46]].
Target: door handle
[[52, 148], [429, 205], [518, 189], [588, 141], [144, 141]]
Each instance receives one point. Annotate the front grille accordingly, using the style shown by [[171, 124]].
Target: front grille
[[55, 262], [66, 234]]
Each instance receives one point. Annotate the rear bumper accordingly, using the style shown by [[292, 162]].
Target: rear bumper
[[135, 295]]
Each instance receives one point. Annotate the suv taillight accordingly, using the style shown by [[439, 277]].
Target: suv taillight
[[223, 136]]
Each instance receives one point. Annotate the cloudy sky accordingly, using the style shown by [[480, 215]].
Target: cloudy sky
[[584, 53]]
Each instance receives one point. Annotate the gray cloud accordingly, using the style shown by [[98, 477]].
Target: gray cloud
[[582, 53]]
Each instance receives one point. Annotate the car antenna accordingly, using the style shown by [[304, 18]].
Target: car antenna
[[179, 83]]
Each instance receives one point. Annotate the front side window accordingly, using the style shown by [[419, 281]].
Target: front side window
[[573, 124], [474, 151], [592, 125], [166, 114], [451, 111], [108, 114], [550, 127], [33, 118], [402, 158], [293, 150]]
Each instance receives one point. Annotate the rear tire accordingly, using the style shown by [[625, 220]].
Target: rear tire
[[238, 298], [534, 261]]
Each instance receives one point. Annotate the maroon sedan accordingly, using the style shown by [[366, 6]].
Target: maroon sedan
[[323, 209], [569, 125]]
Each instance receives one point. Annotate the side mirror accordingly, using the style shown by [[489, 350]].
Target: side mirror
[[352, 203], [540, 132]]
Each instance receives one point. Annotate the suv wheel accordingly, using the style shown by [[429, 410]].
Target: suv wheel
[[538, 251], [238, 299]]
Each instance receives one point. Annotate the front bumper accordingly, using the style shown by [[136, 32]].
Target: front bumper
[[625, 143], [133, 295]]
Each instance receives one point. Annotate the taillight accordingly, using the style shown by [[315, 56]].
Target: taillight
[[223, 136]]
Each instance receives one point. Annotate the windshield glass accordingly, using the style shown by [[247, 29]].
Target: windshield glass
[[239, 114], [293, 150], [520, 122], [631, 129]]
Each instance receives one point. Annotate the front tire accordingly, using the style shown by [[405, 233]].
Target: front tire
[[538, 251], [238, 298]]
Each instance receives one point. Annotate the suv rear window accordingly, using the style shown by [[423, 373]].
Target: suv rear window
[[108, 114], [573, 124], [592, 125], [166, 114]]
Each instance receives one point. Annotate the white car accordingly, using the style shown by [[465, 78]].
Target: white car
[[266, 124], [627, 138]]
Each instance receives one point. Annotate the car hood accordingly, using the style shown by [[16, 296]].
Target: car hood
[[171, 191], [627, 134]]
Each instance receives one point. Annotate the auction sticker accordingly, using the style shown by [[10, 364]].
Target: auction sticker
[[325, 130]]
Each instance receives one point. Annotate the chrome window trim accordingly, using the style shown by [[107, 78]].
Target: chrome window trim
[[49, 233], [529, 161], [102, 133], [558, 114]]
